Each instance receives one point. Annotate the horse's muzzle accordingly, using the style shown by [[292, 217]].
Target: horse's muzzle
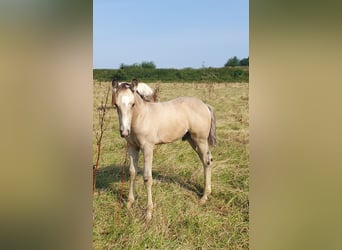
[[124, 133]]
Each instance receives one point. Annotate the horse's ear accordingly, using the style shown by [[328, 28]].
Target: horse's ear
[[115, 84], [134, 84]]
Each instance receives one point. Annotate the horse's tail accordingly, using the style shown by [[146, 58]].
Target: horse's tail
[[212, 133]]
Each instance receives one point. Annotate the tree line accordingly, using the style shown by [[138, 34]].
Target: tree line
[[234, 61], [142, 65], [234, 70]]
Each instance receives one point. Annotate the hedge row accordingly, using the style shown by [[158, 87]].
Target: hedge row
[[226, 74]]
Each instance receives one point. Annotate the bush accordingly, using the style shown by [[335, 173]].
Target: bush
[[144, 64], [244, 62], [234, 61], [236, 74], [148, 65]]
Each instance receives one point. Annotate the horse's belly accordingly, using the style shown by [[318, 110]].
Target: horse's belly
[[171, 134]]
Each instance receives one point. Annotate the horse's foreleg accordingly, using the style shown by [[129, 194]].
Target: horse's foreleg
[[133, 167], [148, 157]]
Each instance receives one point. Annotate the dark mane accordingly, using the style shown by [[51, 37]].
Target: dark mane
[[152, 98]]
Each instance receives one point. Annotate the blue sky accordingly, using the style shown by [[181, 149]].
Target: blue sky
[[171, 33]]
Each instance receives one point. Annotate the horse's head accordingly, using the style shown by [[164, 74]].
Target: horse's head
[[123, 99]]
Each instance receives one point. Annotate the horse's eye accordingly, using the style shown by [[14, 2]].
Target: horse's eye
[[133, 105]]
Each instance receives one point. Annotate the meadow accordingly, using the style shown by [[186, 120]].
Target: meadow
[[179, 221]]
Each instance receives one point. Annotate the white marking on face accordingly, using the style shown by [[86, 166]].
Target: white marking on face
[[125, 123], [125, 100]]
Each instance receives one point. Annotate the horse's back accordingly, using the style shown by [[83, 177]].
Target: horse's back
[[196, 113], [193, 106]]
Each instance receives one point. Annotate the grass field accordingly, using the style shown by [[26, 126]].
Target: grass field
[[179, 221]]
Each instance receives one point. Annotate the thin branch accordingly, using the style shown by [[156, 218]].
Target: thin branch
[[99, 135]]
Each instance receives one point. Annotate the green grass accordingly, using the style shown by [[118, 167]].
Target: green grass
[[179, 221]]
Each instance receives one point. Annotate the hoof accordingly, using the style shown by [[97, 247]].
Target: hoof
[[203, 200], [130, 204], [148, 216]]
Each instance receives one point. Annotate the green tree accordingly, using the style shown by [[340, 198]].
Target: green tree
[[123, 66], [233, 61], [148, 65], [244, 62]]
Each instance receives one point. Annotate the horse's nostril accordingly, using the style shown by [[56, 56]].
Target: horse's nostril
[[124, 133]]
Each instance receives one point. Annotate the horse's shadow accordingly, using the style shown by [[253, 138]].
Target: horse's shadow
[[110, 177], [183, 182]]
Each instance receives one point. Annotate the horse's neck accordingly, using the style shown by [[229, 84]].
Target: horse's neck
[[138, 99], [140, 104]]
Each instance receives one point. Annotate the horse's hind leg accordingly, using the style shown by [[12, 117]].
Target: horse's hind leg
[[202, 149], [206, 159], [133, 167], [192, 143]]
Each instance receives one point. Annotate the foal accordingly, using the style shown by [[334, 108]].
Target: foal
[[144, 124]]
